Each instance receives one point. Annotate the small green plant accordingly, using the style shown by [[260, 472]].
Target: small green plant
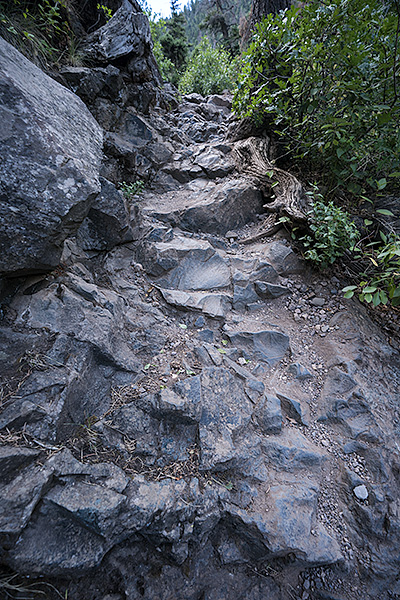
[[209, 70], [105, 10], [40, 31], [332, 232], [132, 189]]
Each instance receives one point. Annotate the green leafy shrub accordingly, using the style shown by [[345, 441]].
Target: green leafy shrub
[[326, 76], [332, 232], [380, 284], [170, 44], [209, 71], [158, 29]]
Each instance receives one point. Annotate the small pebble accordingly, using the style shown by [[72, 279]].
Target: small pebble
[[361, 492], [317, 301]]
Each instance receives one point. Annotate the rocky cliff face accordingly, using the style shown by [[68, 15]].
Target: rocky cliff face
[[183, 415]]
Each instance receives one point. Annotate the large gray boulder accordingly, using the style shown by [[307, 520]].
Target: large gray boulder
[[50, 154], [128, 35]]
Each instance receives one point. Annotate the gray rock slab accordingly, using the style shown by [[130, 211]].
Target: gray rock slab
[[182, 403], [13, 459], [361, 492], [265, 346], [215, 164], [226, 412], [268, 415], [293, 407], [85, 312], [220, 100], [283, 259], [166, 255], [127, 33], [197, 272], [265, 273], [338, 384], [299, 372], [214, 208], [286, 522], [19, 497], [184, 171], [50, 152], [269, 290], [292, 452], [107, 223], [243, 296], [94, 507], [45, 545], [213, 305], [88, 83], [194, 98], [108, 475]]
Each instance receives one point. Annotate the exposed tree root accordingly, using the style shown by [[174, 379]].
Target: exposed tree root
[[252, 159]]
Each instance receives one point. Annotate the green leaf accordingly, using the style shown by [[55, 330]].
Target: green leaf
[[385, 212], [381, 184], [384, 118], [376, 300], [349, 294], [370, 289], [367, 222], [383, 296], [349, 288], [368, 297]]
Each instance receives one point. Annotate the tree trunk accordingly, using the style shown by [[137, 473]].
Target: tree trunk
[[259, 9]]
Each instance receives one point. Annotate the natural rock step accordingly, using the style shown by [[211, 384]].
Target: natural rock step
[[206, 206], [183, 268]]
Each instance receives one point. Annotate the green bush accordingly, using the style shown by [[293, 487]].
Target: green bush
[[380, 283], [158, 30], [326, 78], [332, 232], [209, 71]]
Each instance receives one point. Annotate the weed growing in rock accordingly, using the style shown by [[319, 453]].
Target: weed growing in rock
[[130, 190], [40, 31], [105, 10]]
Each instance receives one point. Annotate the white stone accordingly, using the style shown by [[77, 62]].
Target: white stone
[[361, 492]]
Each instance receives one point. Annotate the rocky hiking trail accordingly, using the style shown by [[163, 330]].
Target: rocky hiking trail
[[189, 416]]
